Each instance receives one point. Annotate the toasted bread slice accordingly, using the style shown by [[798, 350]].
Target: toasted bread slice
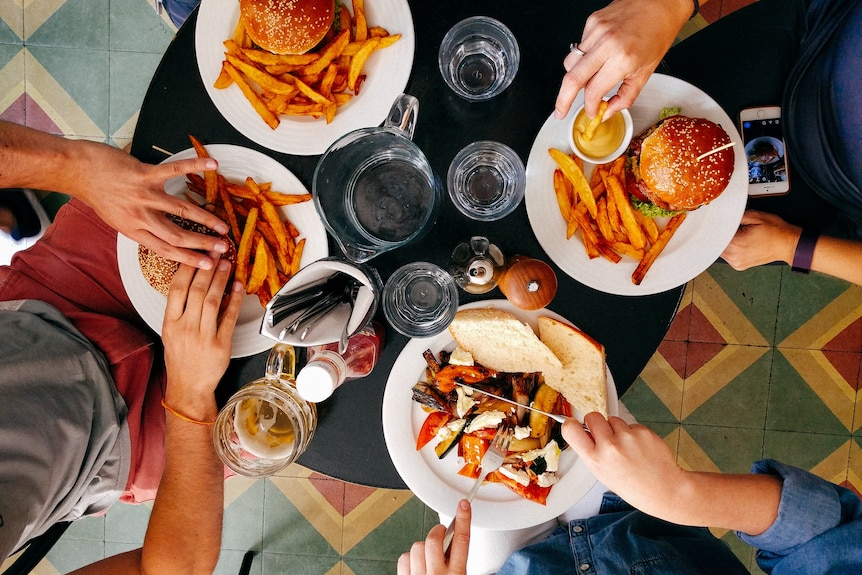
[[583, 379], [500, 341]]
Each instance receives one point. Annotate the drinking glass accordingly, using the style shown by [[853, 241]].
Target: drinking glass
[[486, 180], [420, 299], [479, 58]]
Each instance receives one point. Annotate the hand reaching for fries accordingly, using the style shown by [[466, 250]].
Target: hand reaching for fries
[[602, 210], [623, 42]]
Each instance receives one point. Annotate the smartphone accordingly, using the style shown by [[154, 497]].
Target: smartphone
[[765, 151]]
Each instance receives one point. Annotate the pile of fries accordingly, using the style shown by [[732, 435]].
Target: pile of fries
[[268, 253], [314, 84], [601, 208]]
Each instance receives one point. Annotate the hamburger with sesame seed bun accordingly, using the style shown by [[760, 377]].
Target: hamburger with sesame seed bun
[[287, 26], [159, 271], [663, 170]]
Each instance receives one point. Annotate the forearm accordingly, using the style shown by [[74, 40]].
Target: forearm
[[838, 257], [184, 533], [33, 159], [746, 503]]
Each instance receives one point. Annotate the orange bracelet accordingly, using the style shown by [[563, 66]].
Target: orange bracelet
[[183, 417]]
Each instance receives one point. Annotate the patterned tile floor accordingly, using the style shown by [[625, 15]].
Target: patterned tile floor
[[757, 364]]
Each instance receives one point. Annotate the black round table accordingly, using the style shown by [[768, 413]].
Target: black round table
[[349, 442]]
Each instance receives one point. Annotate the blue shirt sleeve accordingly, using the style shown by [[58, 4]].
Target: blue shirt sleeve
[[815, 518]]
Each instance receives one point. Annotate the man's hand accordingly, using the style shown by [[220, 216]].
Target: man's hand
[[197, 336], [427, 557], [623, 42], [631, 460], [130, 197], [761, 238]]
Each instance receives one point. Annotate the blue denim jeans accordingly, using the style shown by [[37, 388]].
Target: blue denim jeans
[[179, 10]]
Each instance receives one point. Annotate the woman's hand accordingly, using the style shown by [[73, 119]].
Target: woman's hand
[[631, 460], [427, 557], [761, 238], [623, 42], [197, 336]]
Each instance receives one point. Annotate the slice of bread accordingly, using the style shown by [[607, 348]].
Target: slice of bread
[[500, 341], [583, 379]]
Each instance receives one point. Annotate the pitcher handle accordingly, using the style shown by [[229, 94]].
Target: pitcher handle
[[403, 115], [281, 362]]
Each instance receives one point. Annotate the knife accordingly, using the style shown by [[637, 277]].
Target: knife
[[554, 416]]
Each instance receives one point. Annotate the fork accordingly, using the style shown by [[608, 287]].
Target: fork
[[491, 461]]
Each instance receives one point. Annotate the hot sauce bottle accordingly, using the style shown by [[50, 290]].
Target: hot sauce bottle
[[326, 369]]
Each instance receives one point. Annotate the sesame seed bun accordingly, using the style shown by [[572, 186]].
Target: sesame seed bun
[[159, 271], [287, 26], [664, 168]]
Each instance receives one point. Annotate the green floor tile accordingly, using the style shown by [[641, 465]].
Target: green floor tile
[[84, 75], [646, 406], [802, 296], [285, 529], [11, 23], [130, 77], [744, 552], [804, 450], [127, 523], [754, 291], [365, 567], [91, 528], [230, 561], [243, 519], [394, 536], [75, 24], [70, 554], [741, 402], [281, 564], [7, 52], [135, 27], [793, 405], [732, 450]]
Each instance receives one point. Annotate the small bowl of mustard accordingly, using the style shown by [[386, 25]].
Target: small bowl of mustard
[[608, 141]]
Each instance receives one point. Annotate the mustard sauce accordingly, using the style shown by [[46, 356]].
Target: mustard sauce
[[607, 137]]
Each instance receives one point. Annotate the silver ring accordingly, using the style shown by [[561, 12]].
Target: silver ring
[[574, 48]]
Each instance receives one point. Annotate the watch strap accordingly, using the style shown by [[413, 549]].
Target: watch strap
[[804, 251]]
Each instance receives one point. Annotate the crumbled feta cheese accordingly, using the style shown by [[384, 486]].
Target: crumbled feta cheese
[[518, 475], [449, 429], [491, 418], [522, 432], [464, 403], [461, 357], [546, 479], [551, 453]]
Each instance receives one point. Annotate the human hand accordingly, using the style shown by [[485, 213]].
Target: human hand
[[427, 557], [129, 195], [761, 238], [197, 335], [631, 460], [623, 42]]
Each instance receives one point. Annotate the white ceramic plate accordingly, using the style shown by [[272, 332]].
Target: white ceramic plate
[[436, 482], [387, 73], [697, 243], [236, 164]]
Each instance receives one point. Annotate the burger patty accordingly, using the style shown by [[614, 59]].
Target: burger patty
[[159, 271]]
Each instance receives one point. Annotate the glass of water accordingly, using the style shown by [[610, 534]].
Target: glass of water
[[420, 299], [479, 58], [486, 180]]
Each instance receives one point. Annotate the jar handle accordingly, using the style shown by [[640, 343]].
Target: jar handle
[[403, 115], [281, 362]]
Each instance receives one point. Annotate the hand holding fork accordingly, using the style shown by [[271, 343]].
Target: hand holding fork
[[491, 461]]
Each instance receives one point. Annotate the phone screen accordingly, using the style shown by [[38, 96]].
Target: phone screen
[[764, 148]]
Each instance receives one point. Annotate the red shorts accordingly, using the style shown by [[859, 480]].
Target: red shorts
[[73, 267]]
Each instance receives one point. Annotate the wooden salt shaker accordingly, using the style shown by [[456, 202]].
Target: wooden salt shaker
[[528, 283]]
